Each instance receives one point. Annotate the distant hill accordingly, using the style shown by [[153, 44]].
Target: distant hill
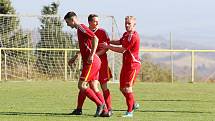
[[205, 62], [164, 43]]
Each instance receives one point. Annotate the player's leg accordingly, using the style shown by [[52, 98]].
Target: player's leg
[[83, 89], [127, 78], [92, 96], [80, 102], [95, 87], [107, 98], [82, 85], [137, 69], [92, 77], [89, 73], [104, 76], [129, 97]]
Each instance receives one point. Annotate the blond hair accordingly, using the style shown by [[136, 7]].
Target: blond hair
[[131, 18]]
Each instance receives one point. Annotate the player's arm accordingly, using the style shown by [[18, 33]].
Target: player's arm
[[115, 42], [106, 39], [101, 52], [95, 41], [113, 48], [72, 60]]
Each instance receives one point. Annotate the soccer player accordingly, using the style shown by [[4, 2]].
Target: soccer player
[[88, 43], [130, 42], [104, 73]]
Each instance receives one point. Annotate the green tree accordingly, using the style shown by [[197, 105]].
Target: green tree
[[52, 36], [151, 72], [11, 35], [6, 7]]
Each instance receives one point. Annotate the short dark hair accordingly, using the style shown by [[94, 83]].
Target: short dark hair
[[69, 15], [90, 17]]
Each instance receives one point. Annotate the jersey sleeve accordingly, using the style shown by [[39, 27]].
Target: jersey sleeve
[[86, 31], [107, 39]]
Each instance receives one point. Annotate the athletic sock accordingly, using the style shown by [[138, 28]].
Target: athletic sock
[[129, 100], [92, 96], [101, 98], [107, 98], [81, 99]]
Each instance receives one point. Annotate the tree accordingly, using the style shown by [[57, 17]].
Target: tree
[[151, 72], [52, 36], [11, 36], [6, 7]]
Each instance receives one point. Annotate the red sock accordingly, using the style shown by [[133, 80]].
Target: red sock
[[129, 100], [92, 96], [81, 98], [101, 98], [107, 98]]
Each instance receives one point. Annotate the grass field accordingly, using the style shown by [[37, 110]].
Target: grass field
[[52, 101]]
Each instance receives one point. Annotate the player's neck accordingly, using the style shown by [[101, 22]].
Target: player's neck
[[76, 26], [93, 29], [132, 31]]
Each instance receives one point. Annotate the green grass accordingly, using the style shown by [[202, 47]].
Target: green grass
[[52, 101]]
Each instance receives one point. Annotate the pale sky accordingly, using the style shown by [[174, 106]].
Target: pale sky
[[190, 19]]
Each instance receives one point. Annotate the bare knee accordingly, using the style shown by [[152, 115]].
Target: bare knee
[[94, 85], [82, 85], [126, 90]]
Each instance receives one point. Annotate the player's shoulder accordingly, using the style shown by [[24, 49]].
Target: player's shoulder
[[125, 34], [102, 30], [82, 28], [82, 25], [134, 34]]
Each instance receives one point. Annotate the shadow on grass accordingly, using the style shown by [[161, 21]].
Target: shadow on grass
[[173, 111], [68, 115], [167, 111], [40, 114], [176, 100]]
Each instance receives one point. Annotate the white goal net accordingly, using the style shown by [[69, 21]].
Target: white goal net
[[39, 47]]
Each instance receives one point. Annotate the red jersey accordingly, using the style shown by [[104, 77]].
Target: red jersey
[[131, 42], [84, 38], [104, 73], [103, 37]]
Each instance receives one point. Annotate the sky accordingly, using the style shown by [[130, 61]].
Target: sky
[[192, 20]]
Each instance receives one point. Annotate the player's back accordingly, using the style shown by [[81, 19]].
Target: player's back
[[84, 38]]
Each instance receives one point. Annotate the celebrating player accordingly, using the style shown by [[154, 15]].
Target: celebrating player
[[104, 73], [130, 42], [88, 43]]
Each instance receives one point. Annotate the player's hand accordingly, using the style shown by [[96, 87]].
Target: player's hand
[[72, 60], [90, 59], [103, 45]]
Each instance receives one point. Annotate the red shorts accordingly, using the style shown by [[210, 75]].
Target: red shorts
[[129, 74], [91, 71], [105, 72]]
